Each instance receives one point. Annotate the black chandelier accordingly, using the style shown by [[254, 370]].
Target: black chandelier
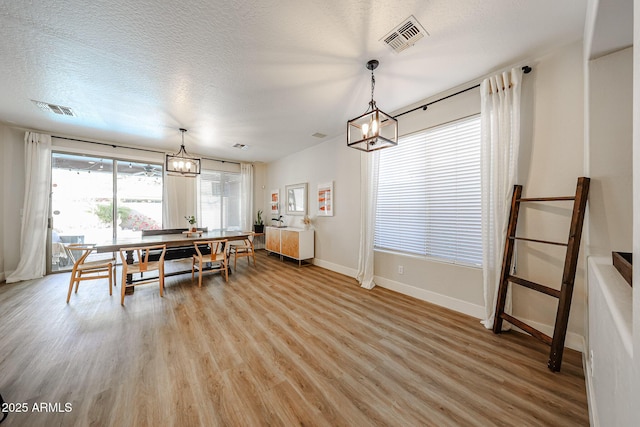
[[181, 163], [374, 129]]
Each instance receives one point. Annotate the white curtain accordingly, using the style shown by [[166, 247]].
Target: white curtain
[[179, 200], [369, 163], [500, 115], [35, 210], [246, 196]]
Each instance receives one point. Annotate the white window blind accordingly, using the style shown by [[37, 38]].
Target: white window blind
[[429, 194], [220, 200]]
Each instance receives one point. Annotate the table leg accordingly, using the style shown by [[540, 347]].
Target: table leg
[[130, 288]]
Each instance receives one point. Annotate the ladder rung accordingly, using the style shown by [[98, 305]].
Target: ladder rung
[[546, 199], [539, 241], [535, 286], [529, 329]]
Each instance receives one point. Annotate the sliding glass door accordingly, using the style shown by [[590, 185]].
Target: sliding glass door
[[96, 199], [220, 200], [139, 198]]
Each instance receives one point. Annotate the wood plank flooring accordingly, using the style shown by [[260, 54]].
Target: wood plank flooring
[[276, 345]]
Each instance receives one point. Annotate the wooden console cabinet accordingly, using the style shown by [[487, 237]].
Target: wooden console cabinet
[[295, 243]]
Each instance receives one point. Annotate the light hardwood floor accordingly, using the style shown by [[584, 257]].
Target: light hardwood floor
[[276, 345]]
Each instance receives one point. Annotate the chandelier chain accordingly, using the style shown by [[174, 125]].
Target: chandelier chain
[[373, 85]]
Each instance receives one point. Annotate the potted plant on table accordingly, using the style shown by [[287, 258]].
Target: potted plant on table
[[192, 222], [258, 224]]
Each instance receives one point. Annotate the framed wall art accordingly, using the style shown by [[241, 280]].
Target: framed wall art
[[274, 202], [325, 199]]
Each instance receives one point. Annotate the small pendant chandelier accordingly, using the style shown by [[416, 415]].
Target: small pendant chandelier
[[181, 163], [374, 129]]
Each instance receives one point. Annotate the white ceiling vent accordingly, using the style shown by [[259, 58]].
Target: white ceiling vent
[[404, 35], [241, 146], [53, 108]]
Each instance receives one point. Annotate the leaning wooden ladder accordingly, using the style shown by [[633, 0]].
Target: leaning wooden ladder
[[568, 275]]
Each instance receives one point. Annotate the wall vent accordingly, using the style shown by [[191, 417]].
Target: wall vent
[[53, 108], [404, 35]]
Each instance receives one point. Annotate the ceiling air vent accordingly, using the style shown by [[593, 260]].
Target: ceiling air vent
[[404, 35], [240, 146], [319, 135], [53, 108]]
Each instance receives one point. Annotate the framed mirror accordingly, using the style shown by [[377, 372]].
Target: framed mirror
[[296, 199]]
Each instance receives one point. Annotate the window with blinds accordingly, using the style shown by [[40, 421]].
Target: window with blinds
[[429, 194], [220, 200]]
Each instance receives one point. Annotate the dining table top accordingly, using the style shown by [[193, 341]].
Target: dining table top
[[171, 240]]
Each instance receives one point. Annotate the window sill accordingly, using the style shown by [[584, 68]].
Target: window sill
[[427, 258]]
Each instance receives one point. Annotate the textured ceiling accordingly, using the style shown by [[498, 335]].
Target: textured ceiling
[[265, 73]]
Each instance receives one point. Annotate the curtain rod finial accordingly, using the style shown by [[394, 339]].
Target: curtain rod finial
[[526, 69]]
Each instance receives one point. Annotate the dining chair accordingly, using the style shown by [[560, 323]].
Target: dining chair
[[210, 252], [141, 264], [244, 248], [89, 270]]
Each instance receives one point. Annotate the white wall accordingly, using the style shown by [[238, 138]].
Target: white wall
[[610, 361], [551, 162], [336, 237], [610, 153], [12, 141], [609, 156], [260, 189], [613, 157], [3, 181]]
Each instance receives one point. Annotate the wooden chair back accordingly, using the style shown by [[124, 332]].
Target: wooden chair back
[[244, 248], [214, 247], [141, 264], [217, 254], [86, 249], [83, 269], [142, 253]]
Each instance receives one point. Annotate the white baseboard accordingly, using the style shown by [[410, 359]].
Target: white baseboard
[[351, 272], [591, 395], [573, 341], [454, 304], [421, 294]]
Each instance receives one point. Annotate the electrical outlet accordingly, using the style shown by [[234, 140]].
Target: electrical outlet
[[401, 269], [591, 361]]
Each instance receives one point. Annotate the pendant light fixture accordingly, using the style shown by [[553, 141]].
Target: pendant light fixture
[[374, 129], [181, 163]]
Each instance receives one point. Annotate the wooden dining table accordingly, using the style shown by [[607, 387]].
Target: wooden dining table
[[170, 240]]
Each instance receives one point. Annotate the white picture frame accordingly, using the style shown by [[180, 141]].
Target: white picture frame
[[274, 202], [326, 200], [296, 199]]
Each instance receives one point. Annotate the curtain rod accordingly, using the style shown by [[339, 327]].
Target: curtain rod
[[526, 70], [133, 148]]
